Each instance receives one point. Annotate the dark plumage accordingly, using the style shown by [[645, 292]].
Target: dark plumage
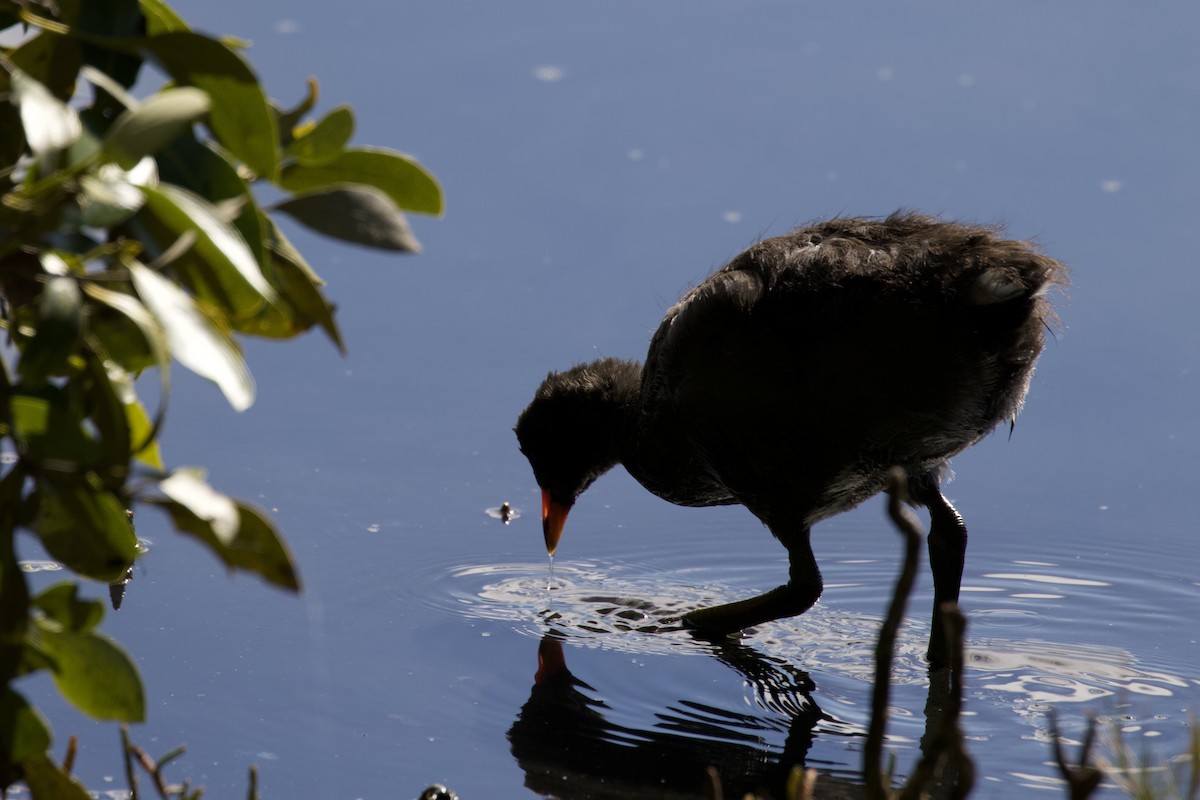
[[794, 377]]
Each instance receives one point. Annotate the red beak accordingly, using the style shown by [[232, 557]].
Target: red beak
[[554, 516]]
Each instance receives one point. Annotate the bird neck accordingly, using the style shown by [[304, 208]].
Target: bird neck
[[606, 406], [623, 409]]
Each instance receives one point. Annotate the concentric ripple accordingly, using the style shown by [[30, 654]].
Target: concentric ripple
[[582, 599], [637, 612], [630, 609]]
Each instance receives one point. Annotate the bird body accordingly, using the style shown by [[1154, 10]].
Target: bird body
[[793, 378]]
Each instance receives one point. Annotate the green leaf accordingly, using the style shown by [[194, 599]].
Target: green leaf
[[359, 214], [14, 593], [107, 197], [52, 60], [50, 125], [47, 781], [92, 672], [12, 136], [150, 348], [321, 143], [145, 130], [161, 18], [107, 28], [301, 303], [84, 527], [33, 659], [255, 545], [220, 265], [122, 341], [107, 414], [86, 146], [61, 603], [260, 548], [49, 428], [112, 100], [135, 342], [130, 336], [193, 339], [187, 487], [404, 180], [114, 19], [205, 171], [60, 318], [144, 433], [240, 118], [287, 121], [24, 735]]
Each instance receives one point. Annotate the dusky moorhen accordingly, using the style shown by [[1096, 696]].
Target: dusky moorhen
[[794, 377]]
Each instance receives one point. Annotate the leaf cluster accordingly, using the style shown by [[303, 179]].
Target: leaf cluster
[[132, 237]]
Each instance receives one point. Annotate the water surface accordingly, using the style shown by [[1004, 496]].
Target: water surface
[[597, 160]]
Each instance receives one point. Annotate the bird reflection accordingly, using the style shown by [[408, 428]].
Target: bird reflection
[[565, 742]]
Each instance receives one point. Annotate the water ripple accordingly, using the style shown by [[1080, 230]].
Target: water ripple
[[1040, 673], [627, 609], [626, 612]]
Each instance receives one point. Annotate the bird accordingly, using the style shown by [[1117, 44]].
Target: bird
[[795, 377]]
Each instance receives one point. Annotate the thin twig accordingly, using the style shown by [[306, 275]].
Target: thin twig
[[1194, 753], [69, 758], [712, 789], [171, 756], [1083, 778], [801, 783], [176, 249], [907, 524], [127, 756], [152, 769]]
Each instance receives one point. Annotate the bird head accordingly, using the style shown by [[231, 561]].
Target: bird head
[[574, 431]]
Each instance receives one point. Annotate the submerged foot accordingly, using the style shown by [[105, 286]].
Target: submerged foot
[[711, 624]]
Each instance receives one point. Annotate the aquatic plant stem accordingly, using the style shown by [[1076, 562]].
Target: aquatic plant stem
[[127, 753], [906, 523], [1082, 778]]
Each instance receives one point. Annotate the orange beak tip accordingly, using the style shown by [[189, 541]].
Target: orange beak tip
[[554, 517]]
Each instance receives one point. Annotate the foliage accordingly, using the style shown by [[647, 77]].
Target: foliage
[[131, 236]]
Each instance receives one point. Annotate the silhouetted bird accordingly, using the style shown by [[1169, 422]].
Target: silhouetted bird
[[794, 377]]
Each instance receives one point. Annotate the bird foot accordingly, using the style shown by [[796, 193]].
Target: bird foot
[[703, 624]]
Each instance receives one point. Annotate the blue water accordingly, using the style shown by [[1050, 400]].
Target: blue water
[[598, 159]]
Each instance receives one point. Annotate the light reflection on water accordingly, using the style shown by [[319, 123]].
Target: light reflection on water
[[1053, 579], [632, 614], [1039, 673], [1011, 662]]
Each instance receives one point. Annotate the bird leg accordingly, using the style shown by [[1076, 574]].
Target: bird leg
[[947, 554], [794, 597]]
